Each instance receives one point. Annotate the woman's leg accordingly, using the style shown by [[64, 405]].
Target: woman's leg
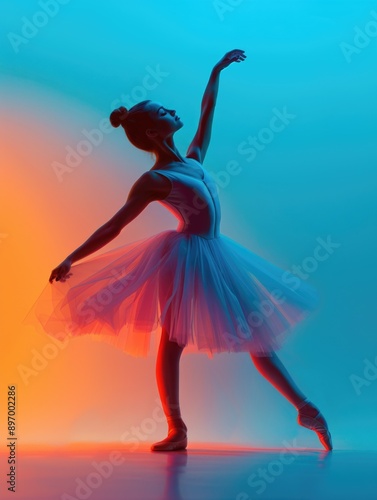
[[309, 415], [169, 354], [274, 371], [167, 374]]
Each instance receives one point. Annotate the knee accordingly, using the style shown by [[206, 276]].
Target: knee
[[258, 355], [168, 344], [177, 348]]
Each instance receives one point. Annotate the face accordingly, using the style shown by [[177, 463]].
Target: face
[[167, 120]]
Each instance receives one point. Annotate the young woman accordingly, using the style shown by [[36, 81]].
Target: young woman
[[196, 286]]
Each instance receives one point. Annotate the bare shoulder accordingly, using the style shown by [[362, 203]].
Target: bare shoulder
[[152, 185], [194, 152]]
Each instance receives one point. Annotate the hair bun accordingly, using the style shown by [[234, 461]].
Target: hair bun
[[118, 116]]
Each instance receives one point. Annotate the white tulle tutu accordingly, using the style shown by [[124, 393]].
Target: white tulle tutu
[[213, 295]]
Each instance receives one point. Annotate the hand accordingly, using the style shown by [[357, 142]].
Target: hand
[[61, 272], [235, 55]]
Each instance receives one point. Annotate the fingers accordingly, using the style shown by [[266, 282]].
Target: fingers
[[59, 276], [240, 56], [64, 278], [55, 274], [237, 52], [235, 55]]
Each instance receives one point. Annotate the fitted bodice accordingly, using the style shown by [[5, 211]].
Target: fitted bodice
[[193, 198]]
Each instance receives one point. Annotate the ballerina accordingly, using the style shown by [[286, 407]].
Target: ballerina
[[201, 287]]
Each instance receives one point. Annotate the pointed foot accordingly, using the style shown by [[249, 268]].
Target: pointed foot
[[318, 424]]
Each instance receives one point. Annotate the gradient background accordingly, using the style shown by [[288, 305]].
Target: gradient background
[[317, 178]]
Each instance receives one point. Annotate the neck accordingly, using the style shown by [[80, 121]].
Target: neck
[[167, 152]]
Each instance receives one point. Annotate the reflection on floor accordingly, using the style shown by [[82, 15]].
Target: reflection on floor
[[111, 472]]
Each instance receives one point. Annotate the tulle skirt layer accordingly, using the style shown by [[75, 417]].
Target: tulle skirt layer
[[212, 295]]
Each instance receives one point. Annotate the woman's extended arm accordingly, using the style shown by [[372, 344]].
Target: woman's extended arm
[[147, 188], [200, 143]]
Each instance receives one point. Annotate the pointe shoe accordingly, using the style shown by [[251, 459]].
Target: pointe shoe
[[171, 443], [317, 424]]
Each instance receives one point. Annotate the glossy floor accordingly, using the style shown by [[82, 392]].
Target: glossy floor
[[109, 472]]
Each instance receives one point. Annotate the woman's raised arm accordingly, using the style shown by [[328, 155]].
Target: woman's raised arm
[[199, 145]]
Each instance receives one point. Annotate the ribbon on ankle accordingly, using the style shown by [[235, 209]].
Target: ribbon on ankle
[[303, 403]]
